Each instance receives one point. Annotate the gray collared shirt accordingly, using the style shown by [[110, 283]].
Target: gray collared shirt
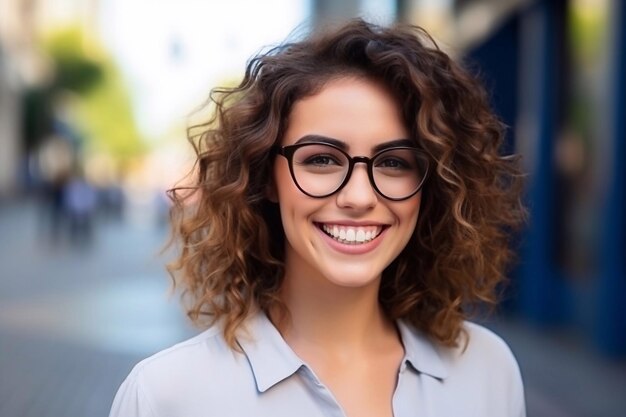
[[203, 377]]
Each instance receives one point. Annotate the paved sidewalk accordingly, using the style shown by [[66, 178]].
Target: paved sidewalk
[[74, 320], [563, 375]]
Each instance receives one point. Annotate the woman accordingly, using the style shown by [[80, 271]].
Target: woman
[[349, 209]]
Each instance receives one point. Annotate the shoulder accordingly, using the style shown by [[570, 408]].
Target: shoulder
[[180, 380], [483, 342], [484, 368], [480, 349], [203, 349]]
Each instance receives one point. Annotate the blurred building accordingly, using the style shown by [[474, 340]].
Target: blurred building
[[556, 73], [25, 72], [21, 66], [9, 128]]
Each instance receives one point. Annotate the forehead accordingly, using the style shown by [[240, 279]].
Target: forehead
[[359, 112]]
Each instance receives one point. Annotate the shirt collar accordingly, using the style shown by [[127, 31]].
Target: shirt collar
[[272, 360], [421, 352], [270, 357]]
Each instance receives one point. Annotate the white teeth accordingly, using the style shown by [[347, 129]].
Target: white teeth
[[352, 235]]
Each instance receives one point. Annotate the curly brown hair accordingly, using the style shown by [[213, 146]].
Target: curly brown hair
[[231, 236]]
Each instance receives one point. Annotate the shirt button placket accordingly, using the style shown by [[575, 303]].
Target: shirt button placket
[[329, 405]]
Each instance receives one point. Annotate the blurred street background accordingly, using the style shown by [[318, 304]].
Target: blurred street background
[[95, 96]]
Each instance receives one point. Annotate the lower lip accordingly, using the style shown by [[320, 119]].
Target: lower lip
[[352, 249]]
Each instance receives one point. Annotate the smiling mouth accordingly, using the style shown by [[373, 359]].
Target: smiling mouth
[[351, 235]]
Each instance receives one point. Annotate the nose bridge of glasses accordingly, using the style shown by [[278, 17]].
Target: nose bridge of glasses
[[356, 160], [361, 159]]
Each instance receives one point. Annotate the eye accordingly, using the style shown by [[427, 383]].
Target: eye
[[321, 160], [393, 162]]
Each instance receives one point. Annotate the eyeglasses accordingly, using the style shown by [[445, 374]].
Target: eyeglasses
[[320, 169]]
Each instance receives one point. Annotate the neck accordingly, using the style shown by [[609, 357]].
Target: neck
[[329, 316]]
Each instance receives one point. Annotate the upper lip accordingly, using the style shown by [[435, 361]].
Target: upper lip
[[354, 223]]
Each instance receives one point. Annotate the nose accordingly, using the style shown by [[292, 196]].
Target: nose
[[358, 193]]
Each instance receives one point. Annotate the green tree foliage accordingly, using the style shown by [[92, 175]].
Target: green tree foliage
[[74, 70], [105, 117], [108, 117]]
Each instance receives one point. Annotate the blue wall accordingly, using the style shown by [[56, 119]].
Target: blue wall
[[540, 291]]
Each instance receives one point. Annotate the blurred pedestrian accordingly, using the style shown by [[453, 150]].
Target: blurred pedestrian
[[112, 201], [349, 208], [53, 165], [79, 202]]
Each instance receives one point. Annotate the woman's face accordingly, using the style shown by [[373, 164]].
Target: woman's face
[[371, 231]]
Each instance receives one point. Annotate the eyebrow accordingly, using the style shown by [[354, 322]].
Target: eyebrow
[[342, 145], [325, 139]]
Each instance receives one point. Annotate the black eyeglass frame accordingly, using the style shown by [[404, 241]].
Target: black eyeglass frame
[[289, 150]]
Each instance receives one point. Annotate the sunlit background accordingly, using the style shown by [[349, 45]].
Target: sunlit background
[[95, 96]]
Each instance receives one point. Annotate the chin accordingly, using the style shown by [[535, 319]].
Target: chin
[[356, 277]]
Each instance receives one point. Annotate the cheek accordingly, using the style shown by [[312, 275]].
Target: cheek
[[409, 212]]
